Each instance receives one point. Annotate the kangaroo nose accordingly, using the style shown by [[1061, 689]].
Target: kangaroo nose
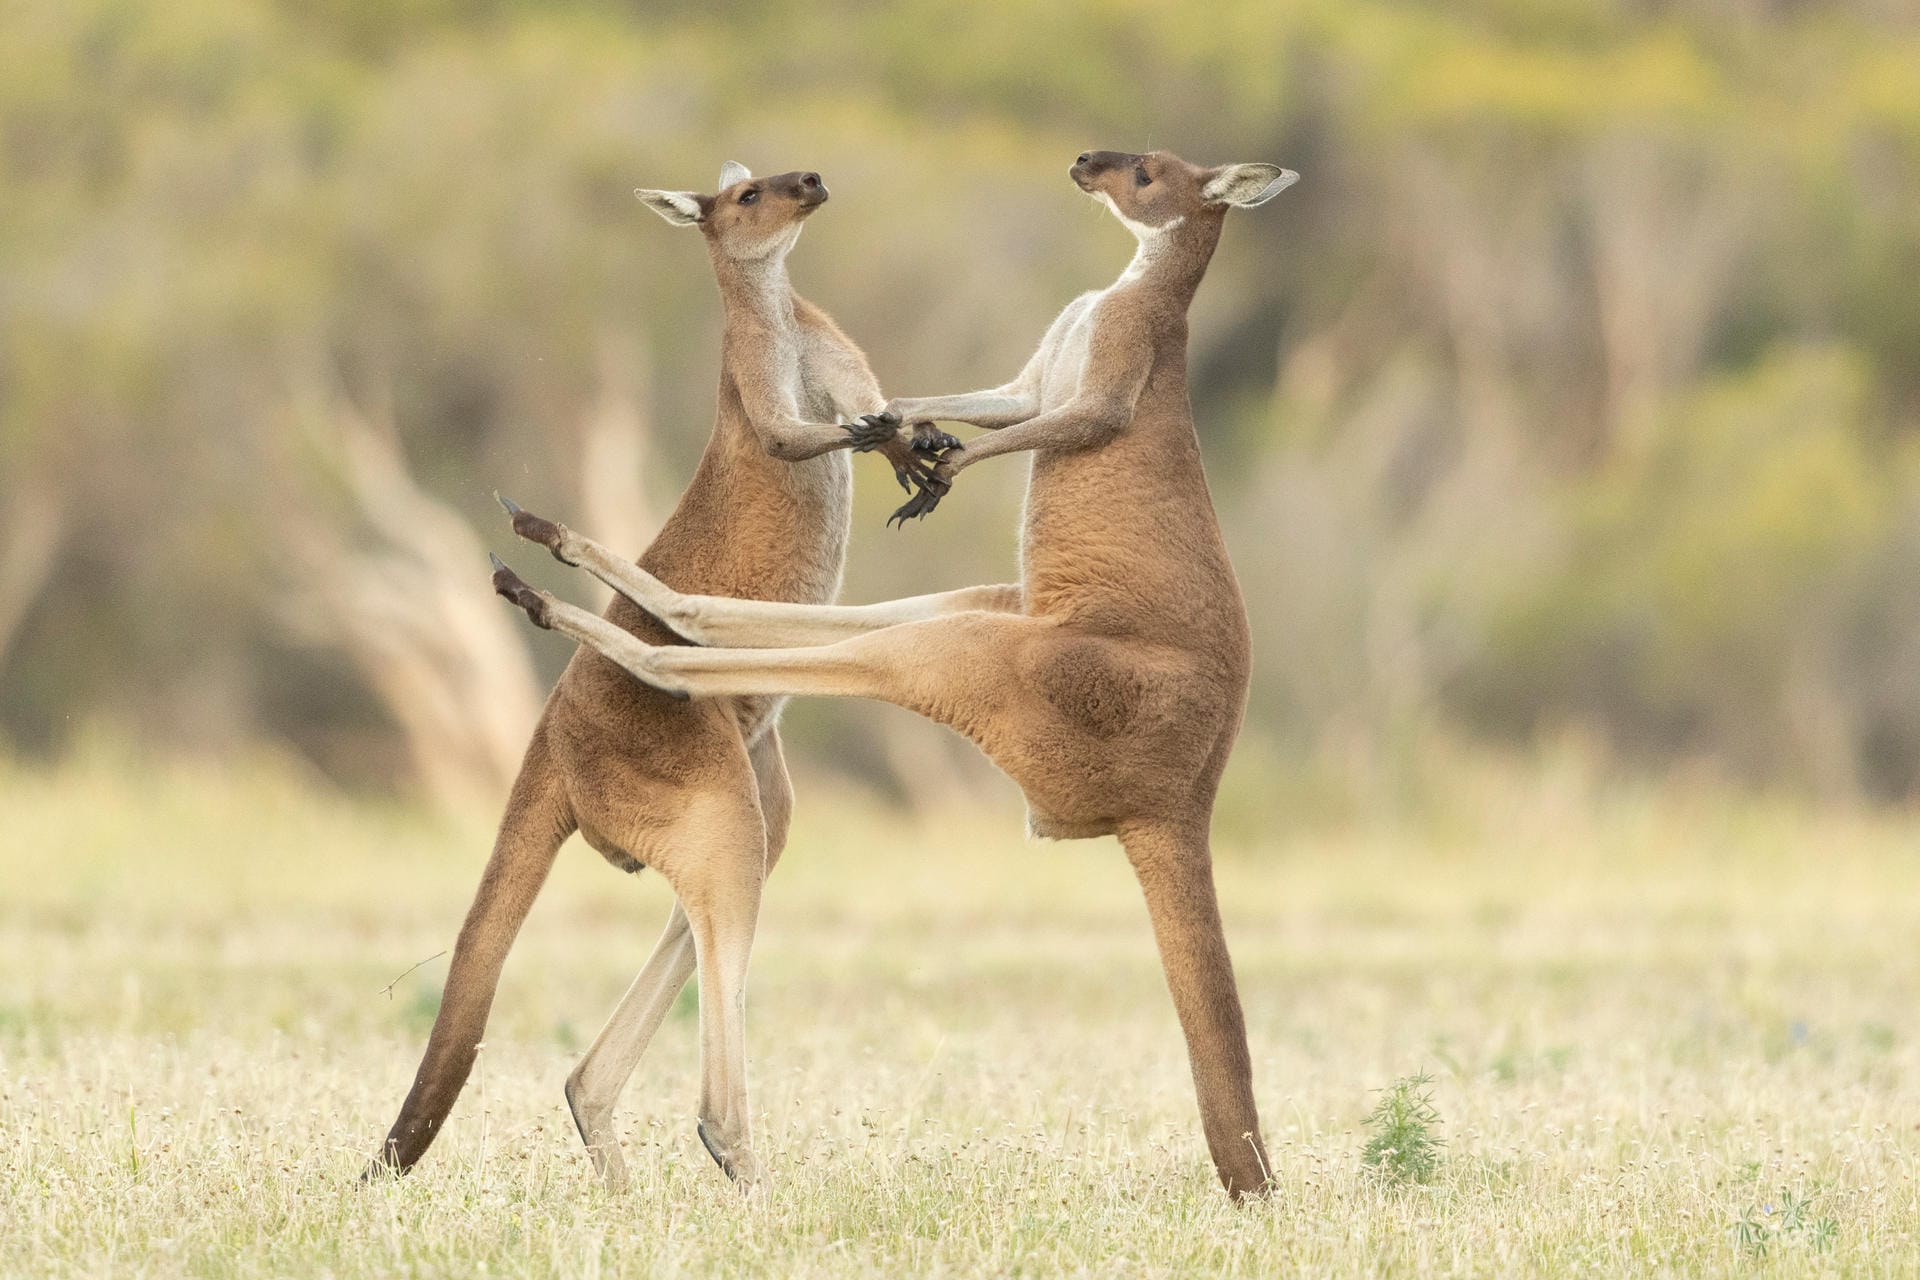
[[809, 180], [1084, 157]]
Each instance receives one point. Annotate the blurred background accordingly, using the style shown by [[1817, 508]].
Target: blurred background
[[1570, 406]]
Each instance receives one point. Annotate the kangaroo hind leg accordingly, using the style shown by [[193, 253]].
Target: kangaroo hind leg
[[1175, 870], [594, 1087], [538, 819]]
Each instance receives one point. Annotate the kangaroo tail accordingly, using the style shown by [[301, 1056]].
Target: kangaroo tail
[[537, 821]]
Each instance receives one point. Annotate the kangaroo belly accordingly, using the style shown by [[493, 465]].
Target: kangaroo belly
[[754, 527]]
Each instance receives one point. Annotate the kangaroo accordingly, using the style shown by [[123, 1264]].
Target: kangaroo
[[698, 790], [1110, 682]]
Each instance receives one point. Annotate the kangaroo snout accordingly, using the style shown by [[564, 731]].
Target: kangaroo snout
[[1091, 164], [811, 191]]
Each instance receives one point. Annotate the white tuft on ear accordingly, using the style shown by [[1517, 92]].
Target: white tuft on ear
[[681, 208], [1247, 185], [731, 172]]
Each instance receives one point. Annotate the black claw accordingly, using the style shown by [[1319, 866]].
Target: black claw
[[869, 431], [499, 565], [513, 508], [914, 508]]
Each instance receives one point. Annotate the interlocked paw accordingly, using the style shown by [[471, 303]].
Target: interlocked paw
[[512, 588], [930, 439], [934, 486], [534, 529], [871, 431], [914, 469]]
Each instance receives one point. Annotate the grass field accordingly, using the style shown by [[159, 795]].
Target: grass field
[[1668, 1035]]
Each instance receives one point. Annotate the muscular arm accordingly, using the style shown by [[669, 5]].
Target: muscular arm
[[994, 409], [1110, 389], [771, 412], [841, 370], [991, 410]]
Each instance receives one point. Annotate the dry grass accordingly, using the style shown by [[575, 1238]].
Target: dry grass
[[1668, 1036]]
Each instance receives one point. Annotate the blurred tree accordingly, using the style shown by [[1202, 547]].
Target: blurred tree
[[1577, 384]]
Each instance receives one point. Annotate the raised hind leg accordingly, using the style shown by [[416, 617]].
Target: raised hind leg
[[930, 666], [594, 1088], [725, 620]]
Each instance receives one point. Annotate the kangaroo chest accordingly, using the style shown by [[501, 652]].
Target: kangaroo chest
[[1068, 344]]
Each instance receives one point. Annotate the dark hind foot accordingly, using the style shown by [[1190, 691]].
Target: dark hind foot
[[509, 586], [534, 529]]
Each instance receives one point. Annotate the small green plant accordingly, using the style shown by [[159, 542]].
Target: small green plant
[[1791, 1217], [1404, 1148]]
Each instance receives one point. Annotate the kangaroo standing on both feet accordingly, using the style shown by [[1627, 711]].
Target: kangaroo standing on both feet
[[697, 790], [1111, 682]]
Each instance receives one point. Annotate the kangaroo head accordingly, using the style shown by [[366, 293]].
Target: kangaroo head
[[748, 217], [1157, 190]]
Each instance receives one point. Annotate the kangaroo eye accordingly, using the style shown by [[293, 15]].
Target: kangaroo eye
[[749, 196], [1140, 178]]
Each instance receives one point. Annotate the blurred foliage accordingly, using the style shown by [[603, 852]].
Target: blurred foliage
[[1575, 389]]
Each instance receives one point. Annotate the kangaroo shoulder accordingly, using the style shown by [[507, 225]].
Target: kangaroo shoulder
[[817, 326]]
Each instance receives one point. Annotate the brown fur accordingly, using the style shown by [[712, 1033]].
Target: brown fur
[[695, 789], [1110, 685]]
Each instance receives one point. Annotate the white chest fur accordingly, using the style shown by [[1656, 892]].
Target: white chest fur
[[1068, 342]]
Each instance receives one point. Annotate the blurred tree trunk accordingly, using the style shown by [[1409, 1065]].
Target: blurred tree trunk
[[1666, 232], [31, 529], [617, 453], [396, 580]]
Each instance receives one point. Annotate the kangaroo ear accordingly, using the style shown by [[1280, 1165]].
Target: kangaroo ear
[[731, 172], [681, 208], [1247, 185]]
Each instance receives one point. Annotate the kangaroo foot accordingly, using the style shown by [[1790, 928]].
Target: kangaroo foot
[[511, 587], [554, 537], [737, 1162], [603, 1145]]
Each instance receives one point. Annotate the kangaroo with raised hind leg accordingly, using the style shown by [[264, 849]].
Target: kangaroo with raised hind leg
[[697, 790], [1110, 683]]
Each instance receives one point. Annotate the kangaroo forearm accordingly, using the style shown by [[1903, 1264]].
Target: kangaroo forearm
[[1064, 429], [992, 410], [791, 440]]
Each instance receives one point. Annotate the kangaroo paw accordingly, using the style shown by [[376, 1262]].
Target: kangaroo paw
[[871, 431], [933, 487], [930, 439]]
